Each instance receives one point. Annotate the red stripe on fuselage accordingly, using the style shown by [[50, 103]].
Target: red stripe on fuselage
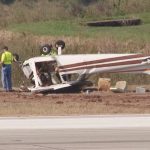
[[101, 61], [131, 62]]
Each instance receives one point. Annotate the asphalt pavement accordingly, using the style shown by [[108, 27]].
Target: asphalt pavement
[[125, 137], [76, 139]]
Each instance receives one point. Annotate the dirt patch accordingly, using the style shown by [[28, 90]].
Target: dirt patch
[[26, 104]]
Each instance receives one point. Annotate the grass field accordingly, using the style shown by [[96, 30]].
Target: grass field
[[75, 28]]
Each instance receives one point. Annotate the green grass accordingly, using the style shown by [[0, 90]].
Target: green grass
[[141, 32], [54, 28], [74, 28]]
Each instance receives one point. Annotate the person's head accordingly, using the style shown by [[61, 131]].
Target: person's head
[[5, 48]]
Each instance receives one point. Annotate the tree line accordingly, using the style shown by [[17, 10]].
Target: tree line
[[85, 2]]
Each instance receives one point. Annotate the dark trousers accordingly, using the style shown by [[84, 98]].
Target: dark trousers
[[6, 77]]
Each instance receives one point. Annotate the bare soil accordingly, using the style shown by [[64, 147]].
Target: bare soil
[[27, 104]]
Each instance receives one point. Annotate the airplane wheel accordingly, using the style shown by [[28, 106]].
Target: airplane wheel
[[45, 49], [15, 57], [60, 43]]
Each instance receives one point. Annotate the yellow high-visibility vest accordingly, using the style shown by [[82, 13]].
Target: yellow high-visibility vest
[[52, 53], [7, 58]]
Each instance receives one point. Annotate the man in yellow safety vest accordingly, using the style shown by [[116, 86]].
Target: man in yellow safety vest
[[6, 61]]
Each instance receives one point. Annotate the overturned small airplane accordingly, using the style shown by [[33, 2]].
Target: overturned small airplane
[[65, 72]]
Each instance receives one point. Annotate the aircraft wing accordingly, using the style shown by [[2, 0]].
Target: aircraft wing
[[49, 88], [60, 86]]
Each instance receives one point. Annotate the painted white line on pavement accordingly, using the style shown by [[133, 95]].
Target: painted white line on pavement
[[74, 122]]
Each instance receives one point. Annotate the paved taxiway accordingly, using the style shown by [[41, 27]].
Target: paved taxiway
[[120, 138], [76, 139]]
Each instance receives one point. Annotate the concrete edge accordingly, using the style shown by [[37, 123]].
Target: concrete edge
[[76, 122]]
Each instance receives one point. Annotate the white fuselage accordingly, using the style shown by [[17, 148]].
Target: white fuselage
[[101, 63], [83, 65]]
